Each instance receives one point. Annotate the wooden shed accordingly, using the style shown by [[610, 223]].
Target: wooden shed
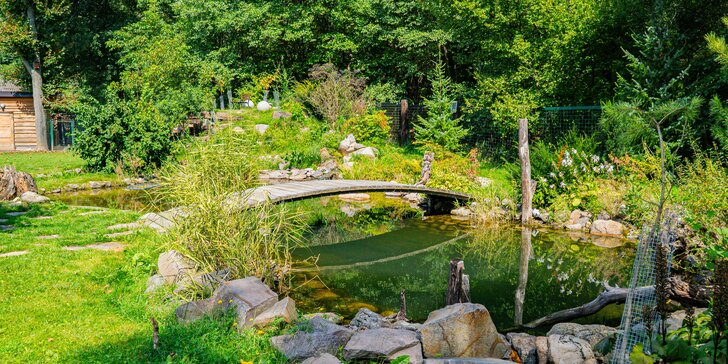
[[17, 118]]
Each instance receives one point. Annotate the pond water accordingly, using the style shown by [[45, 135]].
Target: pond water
[[116, 198], [556, 270], [365, 253]]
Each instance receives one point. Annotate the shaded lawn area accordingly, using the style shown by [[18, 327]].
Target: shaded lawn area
[[88, 305], [53, 165]]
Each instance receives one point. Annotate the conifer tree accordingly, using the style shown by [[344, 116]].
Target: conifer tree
[[440, 127]]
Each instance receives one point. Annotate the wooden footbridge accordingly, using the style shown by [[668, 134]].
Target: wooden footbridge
[[293, 191]]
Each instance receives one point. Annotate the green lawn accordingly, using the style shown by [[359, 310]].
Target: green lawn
[[89, 306], [53, 165]]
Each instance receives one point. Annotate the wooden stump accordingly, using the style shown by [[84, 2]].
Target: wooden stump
[[13, 184], [458, 286], [427, 160]]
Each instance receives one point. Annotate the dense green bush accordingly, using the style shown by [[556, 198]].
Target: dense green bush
[[370, 128]]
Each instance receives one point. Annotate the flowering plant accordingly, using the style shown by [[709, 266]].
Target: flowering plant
[[571, 173]]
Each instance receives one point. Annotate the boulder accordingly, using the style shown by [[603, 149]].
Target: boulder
[[265, 175], [159, 221], [467, 361], [462, 330], [413, 197], [154, 282], [675, 320], [461, 211], [281, 114], [94, 185], [607, 227], [578, 220], [285, 309], [329, 164], [329, 316], [349, 145], [368, 152], [249, 297], [367, 319], [567, 349], [525, 347], [261, 128], [175, 267], [14, 184], [32, 197], [196, 310], [323, 358], [325, 155], [483, 182], [589, 333], [263, 106], [542, 349], [354, 197], [383, 344], [318, 336]]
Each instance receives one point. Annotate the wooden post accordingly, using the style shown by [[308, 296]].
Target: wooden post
[[457, 291], [402, 314], [403, 125], [523, 154]]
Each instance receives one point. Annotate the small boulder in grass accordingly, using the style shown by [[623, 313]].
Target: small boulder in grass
[[32, 197], [284, 309]]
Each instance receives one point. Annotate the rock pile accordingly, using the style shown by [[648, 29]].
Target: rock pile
[[14, 184], [349, 148]]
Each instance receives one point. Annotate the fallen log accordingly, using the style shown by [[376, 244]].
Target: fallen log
[[679, 291]]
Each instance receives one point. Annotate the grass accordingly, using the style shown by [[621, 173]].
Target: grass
[[89, 306], [54, 166]]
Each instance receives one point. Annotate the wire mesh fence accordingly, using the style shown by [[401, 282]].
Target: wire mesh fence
[[639, 320], [500, 142], [61, 133]]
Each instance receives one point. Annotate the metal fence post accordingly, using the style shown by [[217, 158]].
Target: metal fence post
[[50, 132]]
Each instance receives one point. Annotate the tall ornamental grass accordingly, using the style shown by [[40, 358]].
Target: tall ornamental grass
[[216, 234]]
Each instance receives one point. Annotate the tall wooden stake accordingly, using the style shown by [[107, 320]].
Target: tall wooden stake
[[524, 155], [522, 276]]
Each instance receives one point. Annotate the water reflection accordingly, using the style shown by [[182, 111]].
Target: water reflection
[[543, 271]]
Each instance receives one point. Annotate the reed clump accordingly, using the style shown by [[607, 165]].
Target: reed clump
[[216, 234]]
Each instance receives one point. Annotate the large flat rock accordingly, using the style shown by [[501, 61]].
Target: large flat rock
[[384, 344], [317, 337], [249, 296]]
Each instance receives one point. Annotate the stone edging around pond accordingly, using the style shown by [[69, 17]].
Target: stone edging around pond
[[95, 185], [456, 331]]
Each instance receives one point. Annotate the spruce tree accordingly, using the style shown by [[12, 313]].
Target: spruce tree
[[440, 127]]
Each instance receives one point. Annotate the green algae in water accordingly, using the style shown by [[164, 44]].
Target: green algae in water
[[116, 198], [563, 271]]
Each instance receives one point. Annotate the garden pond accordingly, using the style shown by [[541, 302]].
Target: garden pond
[[362, 254]]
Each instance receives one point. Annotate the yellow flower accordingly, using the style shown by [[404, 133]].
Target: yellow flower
[[245, 362], [219, 302], [260, 332]]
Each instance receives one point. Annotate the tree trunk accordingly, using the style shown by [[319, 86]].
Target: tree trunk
[[458, 285], [41, 128]]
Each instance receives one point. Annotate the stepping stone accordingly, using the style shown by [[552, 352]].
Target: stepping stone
[[16, 213], [131, 225], [6, 227], [42, 217], [14, 254], [92, 213], [3, 221], [123, 233], [112, 247], [54, 236]]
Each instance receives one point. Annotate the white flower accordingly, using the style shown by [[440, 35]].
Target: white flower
[[552, 175], [561, 174], [551, 186], [543, 180], [573, 150], [562, 184], [595, 158], [610, 168], [595, 169]]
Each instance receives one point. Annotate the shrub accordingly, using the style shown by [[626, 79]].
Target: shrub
[[335, 95], [371, 128]]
